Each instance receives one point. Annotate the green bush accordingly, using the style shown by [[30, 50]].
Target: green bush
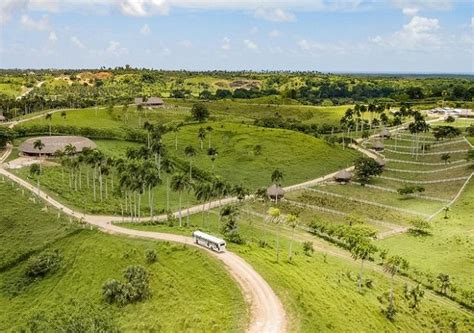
[[150, 255], [43, 264], [135, 289]]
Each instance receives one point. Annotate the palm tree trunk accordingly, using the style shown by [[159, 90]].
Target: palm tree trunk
[[180, 215], [360, 275], [167, 193], [278, 243], [290, 253]]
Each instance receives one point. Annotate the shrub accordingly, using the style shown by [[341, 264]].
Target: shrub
[[43, 264], [150, 255], [135, 289], [308, 248]]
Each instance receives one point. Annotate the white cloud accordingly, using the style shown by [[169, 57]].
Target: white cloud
[[423, 4], [8, 7], [52, 37], [254, 30], [29, 23], [77, 42], [472, 22], [274, 15], [115, 48], [145, 29], [317, 48], [225, 43], [274, 33], [186, 43], [143, 7], [250, 45], [418, 34], [410, 11]]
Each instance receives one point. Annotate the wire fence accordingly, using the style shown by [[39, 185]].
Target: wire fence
[[409, 181]]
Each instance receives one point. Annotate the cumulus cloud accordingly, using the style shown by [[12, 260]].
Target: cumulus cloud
[[143, 7], [410, 11], [472, 22], [250, 45], [115, 48], [225, 43], [29, 23], [274, 15], [74, 40], [419, 33], [274, 33], [145, 29], [52, 37]]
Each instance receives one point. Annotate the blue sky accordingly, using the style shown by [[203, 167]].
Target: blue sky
[[331, 36]]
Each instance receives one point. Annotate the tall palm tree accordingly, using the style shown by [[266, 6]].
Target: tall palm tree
[[209, 130], [148, 128], [190, 152], [35, 171], [362, 250], [202, 136], [158, 149], [38, 145], [176, 130], [179, 183], [212, 153], [49, 117], [292, 221], [392, 266], [168, 167], [274, 214], [203, 192], [151, 180]]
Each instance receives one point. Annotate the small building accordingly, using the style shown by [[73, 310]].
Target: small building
[[151, 102], [343, 177], [380, 162], [378, 146], [53, 144], [275, 192], [385, 134]]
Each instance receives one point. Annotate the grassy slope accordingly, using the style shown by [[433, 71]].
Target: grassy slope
[[449, 249], [191, 291], [319, 292], [299, 156]]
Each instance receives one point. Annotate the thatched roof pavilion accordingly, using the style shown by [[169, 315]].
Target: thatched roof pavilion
[[275, 192], [343, 176], [385, 134], [55, 143], [378, 146], [380, 162]]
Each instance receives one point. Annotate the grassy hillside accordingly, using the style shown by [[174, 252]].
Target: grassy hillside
[[191, 291], [248, 154]]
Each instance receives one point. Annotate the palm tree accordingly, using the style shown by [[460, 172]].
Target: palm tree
[[168, 167], [202, 135], [158, 149], [190, 152], [277, 177], [203, 192], [63, 114], [49, 117], [362, 250], [292, 221], [38, 145], [35, 171], [148, 128], [445, 282], [274, 214], [212, 153], [209, 130], [179, 183], [392, 265], [240, 192], [151, 180], [176, 130], [445, 157]]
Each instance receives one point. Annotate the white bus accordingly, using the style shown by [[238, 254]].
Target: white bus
[[209, 241]]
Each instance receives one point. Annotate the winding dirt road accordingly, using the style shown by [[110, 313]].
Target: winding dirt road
[[266, 311]]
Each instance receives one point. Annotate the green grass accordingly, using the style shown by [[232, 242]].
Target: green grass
[[320, 292], [299, 156], [450, 247], [191, 291]]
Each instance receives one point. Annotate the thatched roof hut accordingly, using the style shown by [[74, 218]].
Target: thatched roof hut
[[343, 176], [378, 146], [380, 162], [385, 134], [275, 192], [149, 102], [55, 143]]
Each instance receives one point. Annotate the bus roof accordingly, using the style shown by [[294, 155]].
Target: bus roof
[[208, 237]]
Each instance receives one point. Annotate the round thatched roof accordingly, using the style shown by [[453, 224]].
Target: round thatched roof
[[275, 192], [343, 176], [378, 145], [385, 133], [54, 143], [380, 161]]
